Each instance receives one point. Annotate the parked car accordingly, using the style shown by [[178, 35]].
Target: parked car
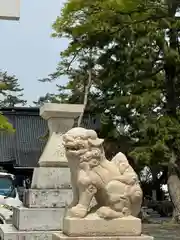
[[9, 197]]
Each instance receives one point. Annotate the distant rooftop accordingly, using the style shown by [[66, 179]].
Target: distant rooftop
[[20, 110]]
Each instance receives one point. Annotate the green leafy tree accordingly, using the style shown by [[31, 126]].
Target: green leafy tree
[[135, 83], [12, 94], [112, 46], [161, 134]]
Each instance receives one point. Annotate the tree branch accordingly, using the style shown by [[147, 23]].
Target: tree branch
[[87, 88]]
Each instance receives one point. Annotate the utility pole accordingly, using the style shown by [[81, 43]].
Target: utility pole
[[10, 10]]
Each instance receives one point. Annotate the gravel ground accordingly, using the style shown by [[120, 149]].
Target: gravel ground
[[162, 231]]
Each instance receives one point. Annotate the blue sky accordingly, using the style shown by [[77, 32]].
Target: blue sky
[[27, 49]]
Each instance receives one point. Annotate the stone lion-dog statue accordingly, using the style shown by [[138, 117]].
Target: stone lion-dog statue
[[114, 184]]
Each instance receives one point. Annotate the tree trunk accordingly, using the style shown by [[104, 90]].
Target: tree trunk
[[174, 187], [174, 192], [171, 109], [87, 89], [170, 66]]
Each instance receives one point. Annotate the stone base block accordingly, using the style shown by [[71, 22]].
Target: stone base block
[[51, 178], [60, 236], [92, 225], [9, 232], [47, 198], [32, 219]]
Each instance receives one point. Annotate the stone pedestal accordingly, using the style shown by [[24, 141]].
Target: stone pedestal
[[93, 227], [44, 203]]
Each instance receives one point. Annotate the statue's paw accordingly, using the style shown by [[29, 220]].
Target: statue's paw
[[78, 211], [126, 211], [72, 204], [108, 213]]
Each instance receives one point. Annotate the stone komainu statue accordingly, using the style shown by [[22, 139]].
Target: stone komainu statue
[[114, 184]]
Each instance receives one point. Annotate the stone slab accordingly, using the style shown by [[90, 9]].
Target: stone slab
[[93, 225], [9, 232], [51, 178], [56, 110], [60, 236], [47, 198], [32, 219]]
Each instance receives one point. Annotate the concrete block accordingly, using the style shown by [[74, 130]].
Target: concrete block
[[60, 236], [92, 225], [47, 198], [42, 219], [9, 232], [51, 178]]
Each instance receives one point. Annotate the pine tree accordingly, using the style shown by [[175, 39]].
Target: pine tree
[[46, 99], [12, 94], [8, 87]]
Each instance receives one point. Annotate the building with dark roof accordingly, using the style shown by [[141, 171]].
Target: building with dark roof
[[23, 148]]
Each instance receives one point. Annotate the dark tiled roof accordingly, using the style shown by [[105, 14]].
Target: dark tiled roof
[[24, 147]]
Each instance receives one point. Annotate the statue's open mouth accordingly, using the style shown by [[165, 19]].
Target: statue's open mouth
[[74, 150]]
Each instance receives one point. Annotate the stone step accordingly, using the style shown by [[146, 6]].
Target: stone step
[[154, 214], [32, 219], [9, 232], [61, 236], [47, 198], [149, 210]]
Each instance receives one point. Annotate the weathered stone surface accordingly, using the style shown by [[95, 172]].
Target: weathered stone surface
[[92, 225], [9, 232], [61, 236], [47, 198], [42, 219], [114, 184], [51, 178], [54, 152]]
